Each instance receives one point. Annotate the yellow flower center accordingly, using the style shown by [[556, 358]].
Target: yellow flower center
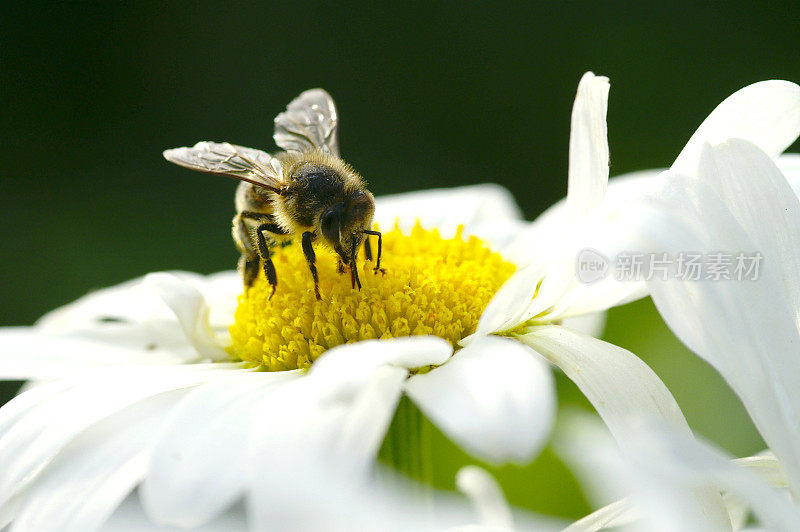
[[430, 285]]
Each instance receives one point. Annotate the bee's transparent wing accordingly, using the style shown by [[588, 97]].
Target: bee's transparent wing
[[310, 121], [246, 164]]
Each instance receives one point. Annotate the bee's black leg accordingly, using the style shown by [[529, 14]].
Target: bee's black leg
[[354, 280], [263, 249], [340, 267], [380, 245], [308, 251], [367, 250]]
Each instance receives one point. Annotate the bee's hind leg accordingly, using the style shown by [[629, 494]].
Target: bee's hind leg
[[311, 258], [248, 268]]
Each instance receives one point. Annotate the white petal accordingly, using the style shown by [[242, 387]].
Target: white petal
[[349, 361], [392, 504], [221, 291], [665, 502], [447, 208], [588, 146], [616, 514], [746, 329], [8, 511], [679, 462], [130, 517], [789, 165], [96, 471], [35, 353], [508, 307], [198, 465], [765, 113], [587, 298], [125, 302], [621, 387], [32, 440], [531, 291], [762, 201], [325, 426], [363, 429], [622, 191], [498, 234], [767, 467], [192, 312], [131, 302], [617, 383], [592, 324], [555, 249], [309, 431], [486, 496], [768, 470], [333, 424], [120, 325], [495, 398]]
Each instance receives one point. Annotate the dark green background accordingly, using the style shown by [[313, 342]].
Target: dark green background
[[429, 96]]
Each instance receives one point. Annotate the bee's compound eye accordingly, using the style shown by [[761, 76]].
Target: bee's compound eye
[[330, 222], [360, 203]]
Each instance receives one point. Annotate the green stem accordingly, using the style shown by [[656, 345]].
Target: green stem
[[407, 447]]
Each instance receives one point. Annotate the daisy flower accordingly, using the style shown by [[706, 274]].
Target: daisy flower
[[157, 383], [136, 384]]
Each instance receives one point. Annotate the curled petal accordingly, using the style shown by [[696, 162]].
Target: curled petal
[[486, 497], [192, 312], [588, 146]]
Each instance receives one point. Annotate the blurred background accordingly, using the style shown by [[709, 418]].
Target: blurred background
[[429, 96]]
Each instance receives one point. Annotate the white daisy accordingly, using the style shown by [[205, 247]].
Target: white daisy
[[145, 393], [136, 386]]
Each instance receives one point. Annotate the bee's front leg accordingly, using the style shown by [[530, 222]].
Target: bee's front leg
[[311, 258], [367, 250]]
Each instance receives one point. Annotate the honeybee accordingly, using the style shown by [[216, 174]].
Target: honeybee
[[306, 191]]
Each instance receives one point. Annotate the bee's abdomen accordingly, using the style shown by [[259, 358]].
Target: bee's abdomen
[[252, 198]]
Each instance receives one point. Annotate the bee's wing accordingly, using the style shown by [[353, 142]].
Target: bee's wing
[[309, 122], [246, 164]]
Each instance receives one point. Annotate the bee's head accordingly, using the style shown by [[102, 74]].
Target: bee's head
[[343, 224]]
